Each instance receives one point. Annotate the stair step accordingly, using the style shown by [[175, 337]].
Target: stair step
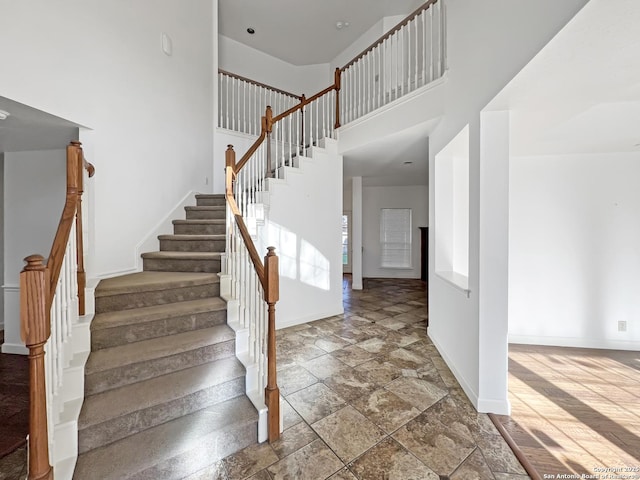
[[199, 227], [125, 411], [206, 212], [127, 326], [208, 262], [126, 364], [177, 448], [192, 243], [146, 289], [205, 200]]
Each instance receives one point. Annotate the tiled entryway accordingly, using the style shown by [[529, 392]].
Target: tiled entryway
[[366, 395]]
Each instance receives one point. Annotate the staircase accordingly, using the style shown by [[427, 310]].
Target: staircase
[[165, 394]]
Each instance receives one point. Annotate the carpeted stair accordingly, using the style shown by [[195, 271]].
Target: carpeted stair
[[165, 394]]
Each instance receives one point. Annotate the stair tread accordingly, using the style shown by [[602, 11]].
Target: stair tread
[[135, 316], [204, 429], [205, 221], [157, 391], [215, 208], [195, 237], [210, 195], [145, 350], [152, 281], [170, 254]]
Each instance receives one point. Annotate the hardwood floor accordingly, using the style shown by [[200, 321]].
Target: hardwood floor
[[575, 411]]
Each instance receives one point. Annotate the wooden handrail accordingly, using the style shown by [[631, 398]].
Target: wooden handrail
[[303, 103], [259, 84], [389, 33], [268, 277], [38, 282]]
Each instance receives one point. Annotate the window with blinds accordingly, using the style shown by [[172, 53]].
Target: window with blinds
[[395, 237]]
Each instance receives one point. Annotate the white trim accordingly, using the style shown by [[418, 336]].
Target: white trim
[[456, 280], [575, 342], [150, 242], [14, 349], [389, 106], [310, 318], [499, 407], [468, 390]]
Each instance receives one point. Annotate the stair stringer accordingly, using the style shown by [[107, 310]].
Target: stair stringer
[[63, 451], [242, 353]]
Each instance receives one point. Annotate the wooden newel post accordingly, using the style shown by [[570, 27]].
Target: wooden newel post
[[35, 330], [268, 127], [230, 157], [271, 296], [82, 276], [337, 80]]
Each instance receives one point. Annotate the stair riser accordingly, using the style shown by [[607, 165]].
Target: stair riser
[[113, 337], [99, 435], [178, 265], [211, 201], [126, 301], [198, 229], [126, 375], [206, 214], [192, 245], [212, 449]]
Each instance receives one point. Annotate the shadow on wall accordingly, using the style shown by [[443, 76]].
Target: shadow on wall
[[299, 259]]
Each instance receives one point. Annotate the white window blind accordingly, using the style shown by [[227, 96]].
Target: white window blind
[[395, 237]]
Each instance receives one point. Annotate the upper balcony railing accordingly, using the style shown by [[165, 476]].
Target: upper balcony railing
[[409, 56], [242, 102], [406, 58]]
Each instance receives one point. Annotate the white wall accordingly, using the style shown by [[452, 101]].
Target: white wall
[[2, 237], [574, 236], [248, 62], [100, 64], [373, 200], [307, 235], [487, 44], [34, 194]]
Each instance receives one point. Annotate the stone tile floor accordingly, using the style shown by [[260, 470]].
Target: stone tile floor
[[365, 395]]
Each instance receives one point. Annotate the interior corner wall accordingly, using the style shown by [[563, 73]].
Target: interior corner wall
[[574, 236], [307, 237], [487, 44], [32, 207], [248, 62], [101, 65], [373, 200]]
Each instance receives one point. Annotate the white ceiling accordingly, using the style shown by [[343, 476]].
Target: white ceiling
[[303, 32], [581, 93], [27, 129]]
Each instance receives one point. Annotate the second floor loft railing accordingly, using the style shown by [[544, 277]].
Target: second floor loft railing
[[243, 101], [254, 285], [409, 56], [51, 301]]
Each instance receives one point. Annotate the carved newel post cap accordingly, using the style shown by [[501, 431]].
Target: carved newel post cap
[[229, 147], [34, 262], [76, 143], [271, 251]]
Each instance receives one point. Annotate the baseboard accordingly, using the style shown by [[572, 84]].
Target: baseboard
[[150, 242], [309, 318], [574, 342], [15, 349], [499, 407], [468, 390]]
